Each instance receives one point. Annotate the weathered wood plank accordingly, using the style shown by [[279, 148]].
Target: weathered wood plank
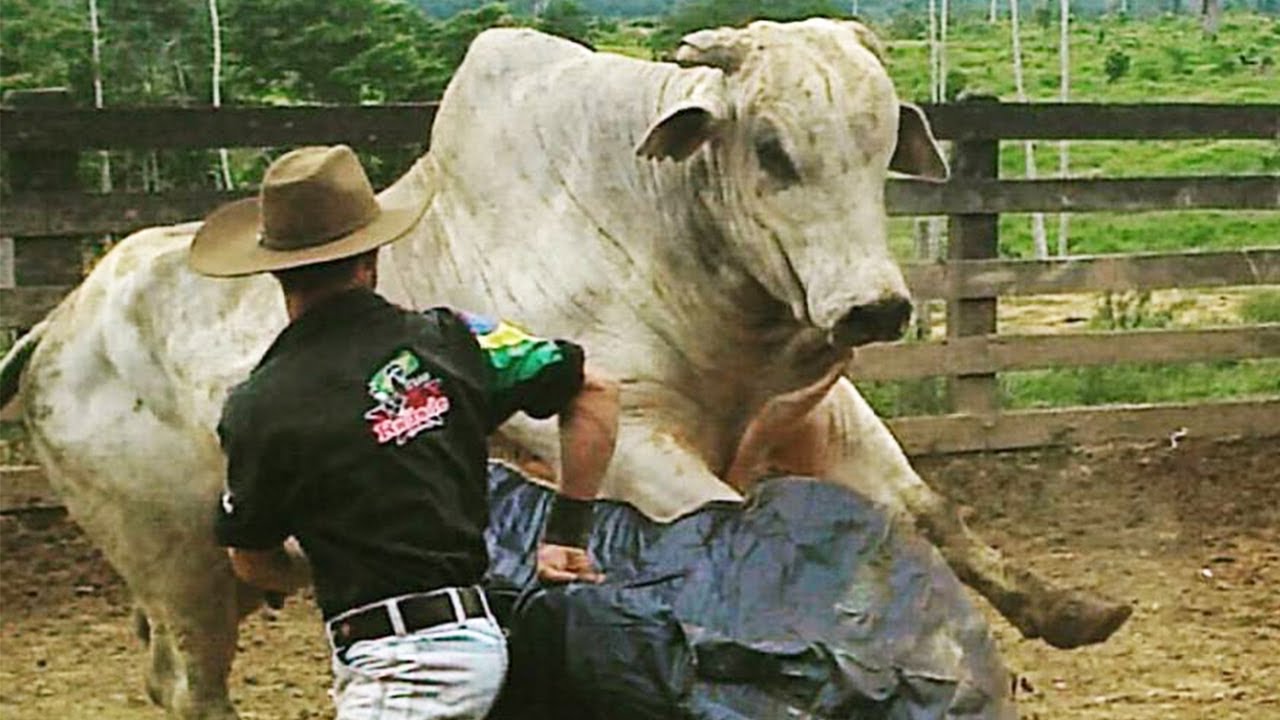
[[23, 307], [47, 260], [1244, 192], [24, 488], [63, 213], [997, 353], [372, 125], [39, 214], [1097, 273], [1086, 426], [1103, 121], [7, 275], [207, 127], [959, 278], [973, 237]]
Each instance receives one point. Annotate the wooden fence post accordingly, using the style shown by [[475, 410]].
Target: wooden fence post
[[972, 237], [44, 260]]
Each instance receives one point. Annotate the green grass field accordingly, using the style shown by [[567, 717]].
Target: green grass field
[[1168, 59]]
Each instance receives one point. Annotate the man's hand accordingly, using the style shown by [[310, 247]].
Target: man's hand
[[281, 570], [562, 564]]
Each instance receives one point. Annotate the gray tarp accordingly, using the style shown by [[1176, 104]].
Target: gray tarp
[[808, 602]]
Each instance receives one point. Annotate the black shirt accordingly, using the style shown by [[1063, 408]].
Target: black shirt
[[363, 433]]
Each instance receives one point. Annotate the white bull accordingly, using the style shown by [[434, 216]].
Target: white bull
[[713, 232]]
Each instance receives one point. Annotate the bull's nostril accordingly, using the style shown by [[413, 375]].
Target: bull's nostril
[[879, 321]]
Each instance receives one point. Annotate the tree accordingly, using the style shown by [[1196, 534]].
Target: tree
[[45, 45], [698, 14], [300, 50], [1064, 94], [224, 160], [566, 18], [1210, 16], [1038, 236], [95, 33]]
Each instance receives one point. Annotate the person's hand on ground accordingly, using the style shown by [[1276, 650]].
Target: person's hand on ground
[[562, 564]]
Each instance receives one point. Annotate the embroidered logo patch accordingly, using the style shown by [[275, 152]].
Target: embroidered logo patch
[[409, 400]]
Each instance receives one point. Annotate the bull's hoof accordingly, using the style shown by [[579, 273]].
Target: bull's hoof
[[1072, 620]]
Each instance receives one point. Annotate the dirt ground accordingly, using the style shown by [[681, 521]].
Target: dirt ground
[[1189, 535]]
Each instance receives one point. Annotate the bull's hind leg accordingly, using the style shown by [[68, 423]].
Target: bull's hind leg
[[829, 431], [192, 643], [191, 606], [179, 578]]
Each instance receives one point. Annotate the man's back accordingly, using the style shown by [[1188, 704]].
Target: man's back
[[362, 433]]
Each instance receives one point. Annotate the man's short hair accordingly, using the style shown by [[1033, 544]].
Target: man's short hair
[[310, 278]]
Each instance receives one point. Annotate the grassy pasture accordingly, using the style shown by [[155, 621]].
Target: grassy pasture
[[1168, 59]]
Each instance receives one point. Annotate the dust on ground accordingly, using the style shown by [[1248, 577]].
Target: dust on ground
[[1189, 535]]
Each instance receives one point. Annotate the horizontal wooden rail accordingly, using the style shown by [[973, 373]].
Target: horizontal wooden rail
[[959, 278], [22, 307], [1104, 121], [25, 488], [35, 214], [1084, 426], [208, 127], [1245, 192], [409, 123], [70, 213], [996, 353], [1094, 273]]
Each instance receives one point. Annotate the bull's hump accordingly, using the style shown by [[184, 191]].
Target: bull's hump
[[511, 52]]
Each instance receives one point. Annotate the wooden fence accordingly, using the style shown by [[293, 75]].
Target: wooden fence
[[43, 139]]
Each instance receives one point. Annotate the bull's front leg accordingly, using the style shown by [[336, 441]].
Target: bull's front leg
[[652, 468], [829, 431]]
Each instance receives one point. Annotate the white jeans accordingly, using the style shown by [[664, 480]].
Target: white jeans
[[449, 671]]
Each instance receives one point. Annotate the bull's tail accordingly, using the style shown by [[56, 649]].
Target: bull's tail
[[16, 359]]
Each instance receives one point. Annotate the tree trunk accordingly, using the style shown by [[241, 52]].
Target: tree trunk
[[223, 160], [1064, 94], [933, 52], [943, 20], [1210, 16], [1038, 235], [104, 180], [931, 229]]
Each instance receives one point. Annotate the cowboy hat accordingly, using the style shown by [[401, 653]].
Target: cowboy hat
[[315, 205]]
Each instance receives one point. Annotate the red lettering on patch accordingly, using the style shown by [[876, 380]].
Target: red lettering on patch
[[409, 400], [412, 420]]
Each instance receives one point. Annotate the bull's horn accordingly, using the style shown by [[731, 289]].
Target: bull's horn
[[722, 48]]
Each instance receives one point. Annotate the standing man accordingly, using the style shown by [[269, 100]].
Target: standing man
[[359, 444]]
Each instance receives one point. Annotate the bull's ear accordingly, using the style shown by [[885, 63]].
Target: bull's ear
[[679, 133], [917, 152]]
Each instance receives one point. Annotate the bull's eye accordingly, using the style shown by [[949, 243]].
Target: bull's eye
[[775, 161]]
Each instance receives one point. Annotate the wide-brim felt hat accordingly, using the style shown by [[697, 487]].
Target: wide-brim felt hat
[[315, 205]]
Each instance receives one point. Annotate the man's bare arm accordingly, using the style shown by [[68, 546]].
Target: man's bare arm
[[588, 433], [284, 569]]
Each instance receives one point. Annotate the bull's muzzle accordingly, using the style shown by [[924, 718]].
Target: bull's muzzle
[[881, 321]]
